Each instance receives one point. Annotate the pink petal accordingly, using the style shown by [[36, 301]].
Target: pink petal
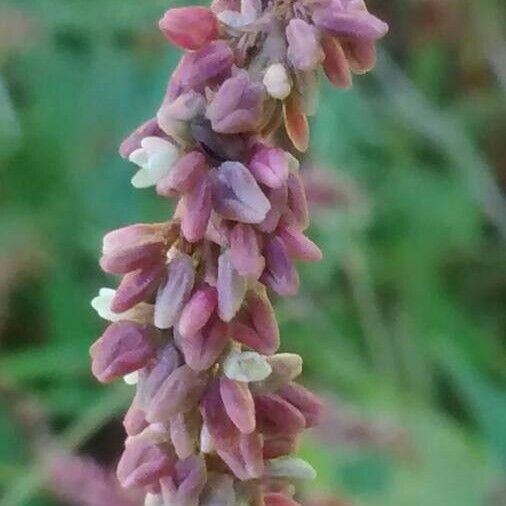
[[275, 416], [137, 286], [202, 349], [198, 310], [280, 274], [143, 463], [173, 295], [270, 166], [336, 65], [305, 401], [245, 251], [298, 245], [188, 171], [239, 404]]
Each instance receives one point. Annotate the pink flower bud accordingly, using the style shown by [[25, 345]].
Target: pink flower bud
[[275, 416], [143, 463], [125, 347], [185, 484], [231, 288], [137, 286], [188, 171], [196, 207], [151, 378], [244, 457], [198, 310], [239, 404], [306, 403], [304, 49], [189, 27], [280, 274], [202, 349], [245, 251], [298, 245], [336, 66], [179, 393], [173, 295], [270, 166], [199, 68], [245, 334], [237, 106], [133, 247], [237, 196]]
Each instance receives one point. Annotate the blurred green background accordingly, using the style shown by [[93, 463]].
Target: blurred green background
[[402, 326]]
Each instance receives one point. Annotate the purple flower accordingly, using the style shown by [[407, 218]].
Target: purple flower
[[144, 462], [185, 484], [270, 166], [304, 49], [237, 196], [125, 347], [280, 274], [237, 106], [203, 66]]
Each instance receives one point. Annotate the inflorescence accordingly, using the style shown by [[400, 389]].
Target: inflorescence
[[217, 416]]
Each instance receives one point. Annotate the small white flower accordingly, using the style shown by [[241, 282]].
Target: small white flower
[[289, 467], [132, 378], [155, 157], [141, 313], [102, 304], [277, 81], [246, 366]]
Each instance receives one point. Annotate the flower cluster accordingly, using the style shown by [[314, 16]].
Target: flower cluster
[[217, 415]]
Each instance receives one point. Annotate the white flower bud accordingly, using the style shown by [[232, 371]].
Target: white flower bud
[[132, 378], [246, 366], [289, 467], [155, 157], [141, 313], [277, 81], [206, 441]]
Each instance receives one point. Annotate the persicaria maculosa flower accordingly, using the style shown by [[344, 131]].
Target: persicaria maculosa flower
[[217, 414]]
